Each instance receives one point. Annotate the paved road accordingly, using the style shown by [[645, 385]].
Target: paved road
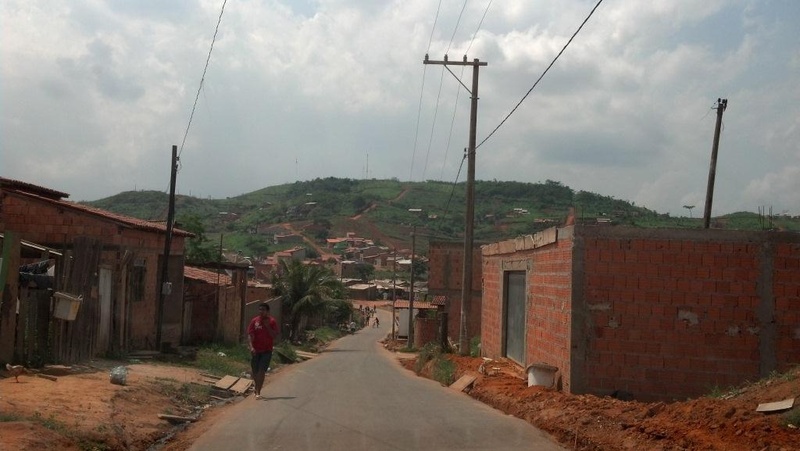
[[355, 396]]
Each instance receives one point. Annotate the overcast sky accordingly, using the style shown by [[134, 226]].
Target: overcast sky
[[93, 94]]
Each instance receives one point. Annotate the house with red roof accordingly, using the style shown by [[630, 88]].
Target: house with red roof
[[112, 262]]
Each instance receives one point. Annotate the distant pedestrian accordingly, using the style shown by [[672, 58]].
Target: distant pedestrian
[[262, 332], [377, 322]]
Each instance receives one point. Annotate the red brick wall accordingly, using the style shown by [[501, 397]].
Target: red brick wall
[[55, 226], [661, 314], [445, 276], [786, 289], [425, 331], [670, 314], [548, 310]]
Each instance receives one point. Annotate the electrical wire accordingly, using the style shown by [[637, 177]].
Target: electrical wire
[[439, 93], [421, 91], [203, 77], [543, 74], [458, 90]]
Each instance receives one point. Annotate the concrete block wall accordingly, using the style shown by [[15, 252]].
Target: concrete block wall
[[667, 314], [548, 306]]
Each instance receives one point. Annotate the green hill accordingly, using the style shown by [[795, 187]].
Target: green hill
[[379, 209]]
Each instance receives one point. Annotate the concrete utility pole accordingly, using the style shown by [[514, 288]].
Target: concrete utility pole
[[167, 245], [712, 171], [469, 220], [410, 344]]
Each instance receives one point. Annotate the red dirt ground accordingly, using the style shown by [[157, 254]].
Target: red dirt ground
[[79, 411], [586, 422]]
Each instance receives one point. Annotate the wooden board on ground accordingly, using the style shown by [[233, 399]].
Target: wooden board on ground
[[226, 382], [463, 382], [283, 357], [176, 418], [777, 406], [306, 355], [241, 386]]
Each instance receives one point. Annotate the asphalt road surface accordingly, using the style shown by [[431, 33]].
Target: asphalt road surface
[[356, 396]]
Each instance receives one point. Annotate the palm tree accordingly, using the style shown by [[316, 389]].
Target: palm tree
[[306, 290]]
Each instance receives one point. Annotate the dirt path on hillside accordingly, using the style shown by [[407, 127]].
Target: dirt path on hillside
[[324, 253]]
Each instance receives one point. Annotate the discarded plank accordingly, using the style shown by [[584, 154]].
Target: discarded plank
[[463, 382], [226, 382], [283, 357], [176, 418], [211, 376], [47, 376], [306, 355], [777, 406], [241, 386]]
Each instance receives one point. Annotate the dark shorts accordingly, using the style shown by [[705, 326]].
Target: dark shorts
[[259, 361]]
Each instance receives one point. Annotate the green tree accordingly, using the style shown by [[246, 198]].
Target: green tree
[[366, 271], [198, 249], [306, 290], [420, 269]]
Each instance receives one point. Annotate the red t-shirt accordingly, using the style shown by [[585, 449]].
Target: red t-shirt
[[261, 339]]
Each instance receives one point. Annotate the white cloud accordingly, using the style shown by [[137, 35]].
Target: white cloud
[[305, 89]]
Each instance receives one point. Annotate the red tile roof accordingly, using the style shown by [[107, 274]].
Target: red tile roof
[[203, 275], [417, 304], [31, 188], [123, 220]]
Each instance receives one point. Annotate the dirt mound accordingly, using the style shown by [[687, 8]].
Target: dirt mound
[[86, 411], [587, 422]]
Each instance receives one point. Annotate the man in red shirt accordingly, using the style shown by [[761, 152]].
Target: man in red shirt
[[262, 332]]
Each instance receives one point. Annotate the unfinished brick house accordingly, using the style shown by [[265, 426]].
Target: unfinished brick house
[[445, 278], [121, 291], [213, 305], [659, 314]]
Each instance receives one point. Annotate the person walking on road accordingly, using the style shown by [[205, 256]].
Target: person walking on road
[[262, 331]]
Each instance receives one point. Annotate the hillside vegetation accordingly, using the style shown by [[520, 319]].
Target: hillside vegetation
[[379, 209]]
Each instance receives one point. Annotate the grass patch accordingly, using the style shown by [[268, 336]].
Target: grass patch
[[428, 352], [184, 393], [221, 360], [475, 346], [444, 371], [9, 417], [791, 418]]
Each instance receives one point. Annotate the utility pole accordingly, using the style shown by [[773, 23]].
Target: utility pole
[[410, 344], [712, 171], [394, 288], [165, 289], [469, 220]]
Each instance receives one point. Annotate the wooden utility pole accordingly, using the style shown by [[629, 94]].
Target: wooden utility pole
[[167, 245], [469, 219], [712, 171]]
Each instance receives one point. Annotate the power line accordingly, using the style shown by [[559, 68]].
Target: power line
[[421, 91], [543, 74], [458, 91], [203, 77], [439, 94]]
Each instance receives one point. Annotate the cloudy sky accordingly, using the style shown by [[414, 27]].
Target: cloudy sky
[[93, 94]]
